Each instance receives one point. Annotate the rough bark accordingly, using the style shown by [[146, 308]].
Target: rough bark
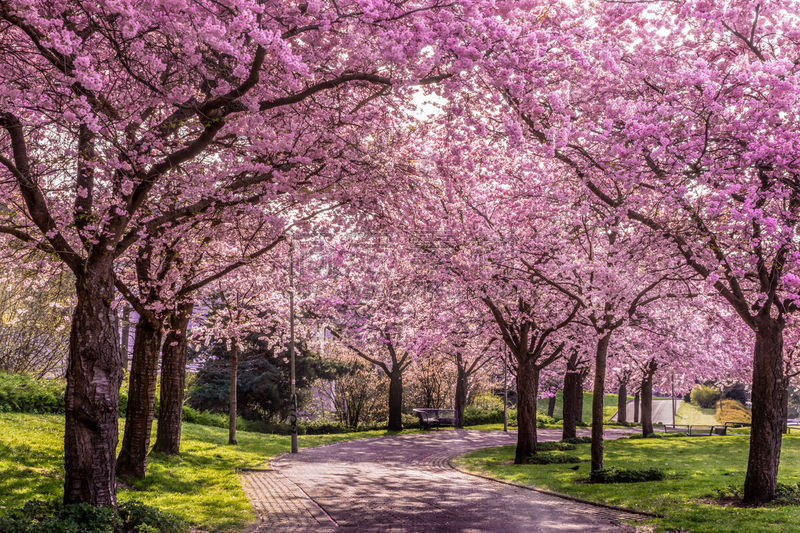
[[461, 396], [551, 406], [600, 357], [785, 407], [622, 402], [647, 400], [132, 459], [126, 336], [94, 375], [579, 399], [396, 400], [768, 390], [568, 412], [636, 408], [232, 399], [527, 392], [173, 379]]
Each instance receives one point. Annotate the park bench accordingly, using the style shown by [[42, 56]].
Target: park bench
[[429, 418], [696, 430]]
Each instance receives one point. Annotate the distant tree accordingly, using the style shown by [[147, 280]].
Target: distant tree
[[263, 377]]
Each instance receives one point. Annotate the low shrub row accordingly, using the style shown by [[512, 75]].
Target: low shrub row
[[38, 516], [305, 427]]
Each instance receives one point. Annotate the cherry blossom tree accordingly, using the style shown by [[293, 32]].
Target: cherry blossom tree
[[682, 118], [104, 105]]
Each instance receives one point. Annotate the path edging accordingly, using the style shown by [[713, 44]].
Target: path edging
[[552, 493]]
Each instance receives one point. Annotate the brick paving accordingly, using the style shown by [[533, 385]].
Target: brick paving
[[406, 483]]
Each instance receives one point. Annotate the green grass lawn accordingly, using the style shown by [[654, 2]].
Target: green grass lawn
[[695, 415], [609, 406], [695, 468], [200, 485]]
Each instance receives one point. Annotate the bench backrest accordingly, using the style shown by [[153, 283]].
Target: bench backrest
[[436, 414]]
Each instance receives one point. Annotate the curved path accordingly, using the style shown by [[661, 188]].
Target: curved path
[[405, 483]]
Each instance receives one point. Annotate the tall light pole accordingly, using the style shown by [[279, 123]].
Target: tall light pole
[[293, 405]]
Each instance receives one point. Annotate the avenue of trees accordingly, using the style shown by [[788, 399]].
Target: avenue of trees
[[603, 195]]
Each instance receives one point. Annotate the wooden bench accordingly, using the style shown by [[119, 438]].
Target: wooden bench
[[429, 418], [696, 430]]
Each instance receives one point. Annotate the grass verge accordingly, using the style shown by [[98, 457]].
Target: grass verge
[[696, 468], [200, 485]]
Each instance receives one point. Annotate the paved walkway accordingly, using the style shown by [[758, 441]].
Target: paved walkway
[[405, 483]]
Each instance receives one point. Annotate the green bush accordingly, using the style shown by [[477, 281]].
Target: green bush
[[787, 494], [553, 459], [652, 435], [488, 402], [476, 414], [731, 491], [410, 421], [140, 518], [304, 427], [27, 394], [542, 419], [621, 475], [704, 396], [554, 445], [578, 440], [38, 516]]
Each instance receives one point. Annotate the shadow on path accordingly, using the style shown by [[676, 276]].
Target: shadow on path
[[405, 483]]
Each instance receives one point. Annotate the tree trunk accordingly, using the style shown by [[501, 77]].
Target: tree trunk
[[597, 401], [232, 404], [126, 335], [568, 409], [622, 402], [461, 396], [636, 408], [396, 400], [785, 406], [551, 406], [579, 399], [768, 390], [173, 379], [527, 393], [94, 375], [647, 401], [132, 460]]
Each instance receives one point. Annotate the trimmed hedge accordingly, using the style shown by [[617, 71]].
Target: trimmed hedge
[[304, 427]]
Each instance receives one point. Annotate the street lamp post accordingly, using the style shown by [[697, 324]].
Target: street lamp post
[[293, 405]]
